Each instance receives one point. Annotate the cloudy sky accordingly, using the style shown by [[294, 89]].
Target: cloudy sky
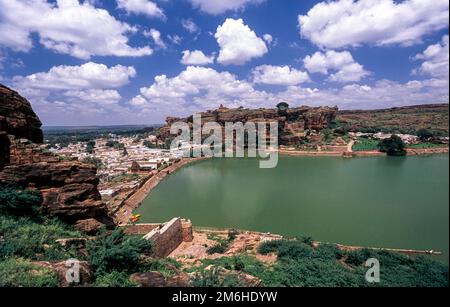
[[108, 62]]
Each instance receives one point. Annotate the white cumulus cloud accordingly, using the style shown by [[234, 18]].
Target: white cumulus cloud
[[337, 24], [342, 64], [145, 7], [196, 57], [220, 6], [66, 27], [155, 35], [238, 43], [279, 75], [436, 60], [87, 76]]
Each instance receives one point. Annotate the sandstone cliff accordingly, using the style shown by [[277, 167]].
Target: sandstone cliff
[[69, 188], [293, 123]]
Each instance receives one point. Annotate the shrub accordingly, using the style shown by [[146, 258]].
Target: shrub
[[167, 266], [23, 273], [114, 280], [393, 146], [215, 278], [19, 202], [37, 241], [269, 247], [116, 252], [425, 135]]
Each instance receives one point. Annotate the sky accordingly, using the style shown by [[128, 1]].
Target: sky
[[121, 62]]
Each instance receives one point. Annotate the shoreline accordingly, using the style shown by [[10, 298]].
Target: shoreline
[[125, 213], [352, 154]]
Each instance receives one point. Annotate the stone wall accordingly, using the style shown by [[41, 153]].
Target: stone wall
[[167, 237]]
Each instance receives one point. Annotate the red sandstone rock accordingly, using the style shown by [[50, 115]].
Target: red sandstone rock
[[17, 117], [69, 188]]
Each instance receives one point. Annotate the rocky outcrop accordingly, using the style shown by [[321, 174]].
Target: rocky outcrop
[[69, 188], [84, 278], [292, 122], [17, 117]]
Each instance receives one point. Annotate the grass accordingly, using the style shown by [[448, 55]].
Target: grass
[[365, 144], [425, 146], [17, 272], [33, 240]]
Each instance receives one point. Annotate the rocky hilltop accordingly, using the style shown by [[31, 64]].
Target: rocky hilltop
[[293, 122], [69, 188]]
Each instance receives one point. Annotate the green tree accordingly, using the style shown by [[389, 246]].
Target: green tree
[[393, 146], [282, 107], [425, 135]]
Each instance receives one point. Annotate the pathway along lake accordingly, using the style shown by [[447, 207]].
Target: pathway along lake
[[378, 202]]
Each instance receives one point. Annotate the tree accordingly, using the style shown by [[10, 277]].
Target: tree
[[393, 146], [425, 135], [282, 107]]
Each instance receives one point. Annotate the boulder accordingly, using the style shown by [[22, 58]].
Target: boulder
[[62, 268], [17, 117]]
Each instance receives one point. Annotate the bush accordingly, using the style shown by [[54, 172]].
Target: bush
[[214, 278], [269, 247], [37, 241], [116, 252], [114, 280], [425, 135], [167, 266], [19, 202], [222, 244], [393, 146], [23, 273]]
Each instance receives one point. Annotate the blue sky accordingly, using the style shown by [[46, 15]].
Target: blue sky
[[137, 61]]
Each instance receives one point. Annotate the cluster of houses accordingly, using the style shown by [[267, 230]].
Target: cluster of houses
[[131, 158]]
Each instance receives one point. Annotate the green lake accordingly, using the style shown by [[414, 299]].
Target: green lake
[[377, 202]]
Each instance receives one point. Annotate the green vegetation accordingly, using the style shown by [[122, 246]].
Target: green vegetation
[[35, 240], [366, 144], [114, 280], [116, 252], [282, 107], [22, 273], [94, 161], [393, 146], [222, 244], [19, 202], [424, 145], [301, 265], [425, 135]]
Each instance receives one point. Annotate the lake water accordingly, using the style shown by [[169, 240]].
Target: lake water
[[377, 202]]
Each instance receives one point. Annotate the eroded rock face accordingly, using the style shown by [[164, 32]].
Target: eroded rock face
[[17, 117], [293, 122], [69, 188]]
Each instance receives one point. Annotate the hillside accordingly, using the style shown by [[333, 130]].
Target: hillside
[[402, 120]]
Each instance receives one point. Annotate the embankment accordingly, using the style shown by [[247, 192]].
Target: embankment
[[124, 215]]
